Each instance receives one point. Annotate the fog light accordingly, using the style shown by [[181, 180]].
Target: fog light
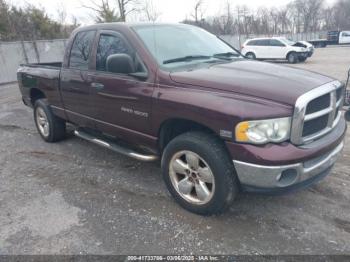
[[287, 177]]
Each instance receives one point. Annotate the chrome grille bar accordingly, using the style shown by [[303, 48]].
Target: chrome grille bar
[[300, 116]]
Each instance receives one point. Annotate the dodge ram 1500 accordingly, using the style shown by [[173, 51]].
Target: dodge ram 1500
[[218, 122]]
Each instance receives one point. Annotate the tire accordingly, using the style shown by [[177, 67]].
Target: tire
[[50, 127], [219, 178], [347, 115], [250, 55], [292, 58]]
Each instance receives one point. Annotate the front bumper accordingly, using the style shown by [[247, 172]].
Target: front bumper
[[268, 178], [283, 167], [303, 54]]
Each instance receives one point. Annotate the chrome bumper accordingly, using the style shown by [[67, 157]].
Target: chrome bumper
[[270, 177]]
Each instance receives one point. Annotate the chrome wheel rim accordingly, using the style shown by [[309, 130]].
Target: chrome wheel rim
[[42, 122], [192, 177]]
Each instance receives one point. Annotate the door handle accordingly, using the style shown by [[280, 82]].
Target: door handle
[[97, 86]]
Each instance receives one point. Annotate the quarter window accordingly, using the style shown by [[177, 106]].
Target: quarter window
[[274, 42], [81, 49]]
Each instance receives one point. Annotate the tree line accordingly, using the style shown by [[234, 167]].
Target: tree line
[[31, 23], [299, 16]]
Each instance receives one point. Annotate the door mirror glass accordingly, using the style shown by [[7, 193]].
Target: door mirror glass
[[120, 64]]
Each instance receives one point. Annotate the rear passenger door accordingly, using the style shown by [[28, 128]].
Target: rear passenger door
[[277, 49], [75, 87], [262, 48]]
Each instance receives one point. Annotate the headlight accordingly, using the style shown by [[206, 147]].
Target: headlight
[[264, 131]]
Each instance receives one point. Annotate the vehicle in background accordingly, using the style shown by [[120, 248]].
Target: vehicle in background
[[310, 48], [220, 123], [347, 98], [333, 38], [275, 48]]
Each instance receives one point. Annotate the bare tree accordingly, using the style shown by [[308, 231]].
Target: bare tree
[[198, 12], [150, 11], [126, 7], [104, 12]]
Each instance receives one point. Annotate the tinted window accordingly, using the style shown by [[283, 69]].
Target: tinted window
[[274, 42], [110, 45], [80, 53], [346, 34], [263, 42], [252, 42]]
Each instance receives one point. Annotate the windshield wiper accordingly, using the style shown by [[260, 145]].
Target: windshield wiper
[[227, 55], [188, 58]]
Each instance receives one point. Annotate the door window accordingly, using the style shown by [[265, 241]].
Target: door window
[[81, 49], [274, 42], [263, 42], [110, 45]]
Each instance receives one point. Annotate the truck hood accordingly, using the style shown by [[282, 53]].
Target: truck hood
[[278, 83]]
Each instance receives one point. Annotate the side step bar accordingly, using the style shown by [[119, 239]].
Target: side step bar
[[114, 147]]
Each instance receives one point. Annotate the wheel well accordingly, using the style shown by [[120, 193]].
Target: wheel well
[[35, 94], [175, 127], [290, 52]]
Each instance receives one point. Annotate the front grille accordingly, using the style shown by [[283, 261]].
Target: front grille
[[317, 113], [318, 104], [315, 125]]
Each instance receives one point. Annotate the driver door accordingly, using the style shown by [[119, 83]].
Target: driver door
[[122, 102]]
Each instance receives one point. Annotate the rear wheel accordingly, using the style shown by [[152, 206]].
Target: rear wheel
[[50, 127], [199, 173], [292, 58], [250, 55]]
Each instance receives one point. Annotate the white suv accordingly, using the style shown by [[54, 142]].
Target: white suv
[[278, 48]]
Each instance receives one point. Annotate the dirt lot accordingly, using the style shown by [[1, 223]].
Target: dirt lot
[[76, 198]]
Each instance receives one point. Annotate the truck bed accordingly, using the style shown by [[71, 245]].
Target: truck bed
[[43, 77], [54, 65]]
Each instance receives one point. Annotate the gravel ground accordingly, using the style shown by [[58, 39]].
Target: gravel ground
[[77, 198]]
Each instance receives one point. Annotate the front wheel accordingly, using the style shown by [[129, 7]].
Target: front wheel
[[199, 173], [250, 55], [292, 58]]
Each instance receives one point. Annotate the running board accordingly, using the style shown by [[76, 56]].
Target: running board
[[114, 147]]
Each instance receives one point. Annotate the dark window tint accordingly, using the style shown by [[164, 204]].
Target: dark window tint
[[109, 45], [80, 53], [346, 34], [263, 42], [274, 42], [252, 42]]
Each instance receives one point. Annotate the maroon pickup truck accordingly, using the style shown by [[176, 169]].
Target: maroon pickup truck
[[220, 123]]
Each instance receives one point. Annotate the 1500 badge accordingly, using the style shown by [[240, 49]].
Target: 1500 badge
[[134, 112]]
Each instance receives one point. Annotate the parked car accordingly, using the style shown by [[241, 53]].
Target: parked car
[[310, 48], [220, 123], [276, 48], [333, 38], [347, 98]]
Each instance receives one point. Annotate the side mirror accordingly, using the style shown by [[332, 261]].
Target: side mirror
[[120, 64]]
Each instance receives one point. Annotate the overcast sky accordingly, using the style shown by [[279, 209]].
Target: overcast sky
[[171, 10]]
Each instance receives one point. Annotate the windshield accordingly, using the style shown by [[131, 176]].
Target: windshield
[[287, 41], [175, 45]]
